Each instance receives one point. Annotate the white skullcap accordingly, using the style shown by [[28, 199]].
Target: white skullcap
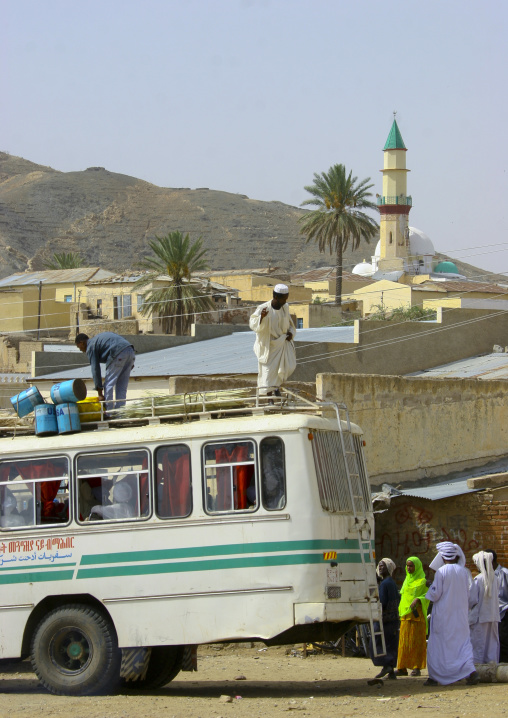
[[281, 289], [447, 551]]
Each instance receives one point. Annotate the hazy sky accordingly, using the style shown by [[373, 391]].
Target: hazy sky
[[254, 96]]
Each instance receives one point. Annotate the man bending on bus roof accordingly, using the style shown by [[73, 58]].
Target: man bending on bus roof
[[274, 345], [118, 355]]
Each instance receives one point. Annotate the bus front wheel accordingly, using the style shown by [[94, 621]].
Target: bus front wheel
[[75, 651]]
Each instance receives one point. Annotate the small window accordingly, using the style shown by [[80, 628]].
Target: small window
[[122, 306], [273, 473], [127, 306], [68, 298], [139, 300], [391, 238], [113, 486], [99, 308], [173, 482], [299, 323], [230, 476], [34, 492]]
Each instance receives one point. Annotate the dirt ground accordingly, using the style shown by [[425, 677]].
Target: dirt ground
[[260, 682]]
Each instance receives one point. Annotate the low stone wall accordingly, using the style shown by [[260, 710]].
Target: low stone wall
[[418, 428], [405, 347]]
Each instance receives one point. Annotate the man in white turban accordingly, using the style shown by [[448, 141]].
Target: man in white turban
[[274, 345], [449, 650], [484, 615]]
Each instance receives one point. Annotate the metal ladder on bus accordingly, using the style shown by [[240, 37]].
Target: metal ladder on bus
[[353, 480]]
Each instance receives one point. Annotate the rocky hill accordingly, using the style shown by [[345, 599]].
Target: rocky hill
[[109, 218]]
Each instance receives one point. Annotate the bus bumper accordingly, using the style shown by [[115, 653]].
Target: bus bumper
[[320, 612]]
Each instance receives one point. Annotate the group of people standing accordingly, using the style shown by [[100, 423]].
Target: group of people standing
[[463, 626]]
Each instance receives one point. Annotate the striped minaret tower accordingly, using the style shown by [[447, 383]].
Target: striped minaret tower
[[394, 205]]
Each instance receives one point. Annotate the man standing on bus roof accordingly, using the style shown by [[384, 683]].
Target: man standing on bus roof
[[118, 355], [274, 345]]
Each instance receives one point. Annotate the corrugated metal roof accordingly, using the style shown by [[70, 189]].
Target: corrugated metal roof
[[440, 491], [232, 354], [490, 366], [54, 276]]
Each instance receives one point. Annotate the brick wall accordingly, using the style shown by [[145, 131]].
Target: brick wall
[[413, 527]]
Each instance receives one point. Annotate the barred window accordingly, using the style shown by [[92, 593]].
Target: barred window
[[230, 476], [332, 474], [113, 486], [34, 492]]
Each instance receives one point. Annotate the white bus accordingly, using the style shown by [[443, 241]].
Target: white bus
[[124, 547]]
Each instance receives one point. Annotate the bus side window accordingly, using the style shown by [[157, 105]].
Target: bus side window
[[230, 476], [174, 498], [113, 486], [28, 492], [273, 473]]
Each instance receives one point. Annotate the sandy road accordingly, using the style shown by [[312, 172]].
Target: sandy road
[[274, 684]]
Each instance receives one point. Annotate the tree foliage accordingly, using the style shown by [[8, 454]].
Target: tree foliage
[[65, 260], [175, 303], [339, 220]]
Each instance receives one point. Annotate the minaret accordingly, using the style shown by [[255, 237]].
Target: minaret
[[394, 205]]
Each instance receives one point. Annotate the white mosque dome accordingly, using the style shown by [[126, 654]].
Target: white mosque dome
[[364, 269], [420, 244]]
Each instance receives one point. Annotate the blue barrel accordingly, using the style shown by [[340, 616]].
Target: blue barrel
[[67, 416], [45, 420], [68, 391], [26, 401]]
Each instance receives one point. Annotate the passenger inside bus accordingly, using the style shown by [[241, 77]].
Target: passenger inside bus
[[123, 505], [27, 478]]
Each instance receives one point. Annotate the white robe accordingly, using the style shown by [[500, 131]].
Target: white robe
[[484, 621], [276, 356], [449, 650]]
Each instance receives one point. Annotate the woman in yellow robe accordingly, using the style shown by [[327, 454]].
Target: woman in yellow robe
[[413, 607]]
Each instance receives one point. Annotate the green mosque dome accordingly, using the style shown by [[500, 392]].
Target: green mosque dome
[[446, 268]]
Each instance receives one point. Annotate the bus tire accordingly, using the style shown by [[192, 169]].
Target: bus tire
[[165, 664], [75, 652]]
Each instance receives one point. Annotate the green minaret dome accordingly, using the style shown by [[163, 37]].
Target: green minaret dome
[[394, 141]]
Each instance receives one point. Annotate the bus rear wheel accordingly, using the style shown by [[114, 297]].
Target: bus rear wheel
[[75, 652], [164, 664]]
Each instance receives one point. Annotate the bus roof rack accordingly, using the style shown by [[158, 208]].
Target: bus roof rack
[[156, 408]]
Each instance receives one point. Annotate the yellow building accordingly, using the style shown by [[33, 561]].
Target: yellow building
[[385, 295], [115, 303], [322, 283], [42, 302], [256, 285]]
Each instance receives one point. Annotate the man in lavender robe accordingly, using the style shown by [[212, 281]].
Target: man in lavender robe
[[449, 650]]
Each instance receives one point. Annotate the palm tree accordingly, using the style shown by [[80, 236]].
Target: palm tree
[[176, 303], [338, 219], [70, 260]]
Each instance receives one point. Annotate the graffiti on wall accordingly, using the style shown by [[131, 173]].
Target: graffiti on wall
[[413, 530]]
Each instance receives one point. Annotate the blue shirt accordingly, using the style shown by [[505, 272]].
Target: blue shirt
[[102, 349]]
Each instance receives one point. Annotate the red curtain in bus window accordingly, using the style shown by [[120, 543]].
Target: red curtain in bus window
[[174, 500], [242, 476], [143, 488], [46, 491]]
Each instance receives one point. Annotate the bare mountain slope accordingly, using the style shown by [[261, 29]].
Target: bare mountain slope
[[109, 218]]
